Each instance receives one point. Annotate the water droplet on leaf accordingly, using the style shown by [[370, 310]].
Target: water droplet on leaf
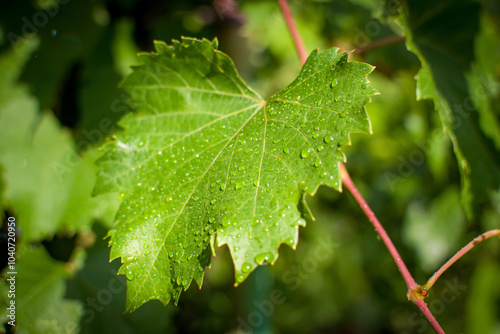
[[306, 152], [264, 257], [246, 267], [130, 274]]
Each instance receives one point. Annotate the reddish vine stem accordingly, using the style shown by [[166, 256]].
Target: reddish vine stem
[[346, 180], [458, 255], [380, 43], [299, 45], [414, 290], [416, 293]]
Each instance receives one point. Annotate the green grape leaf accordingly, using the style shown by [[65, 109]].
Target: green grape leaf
[[40, 303], [205, 161], [442, 35], [97, 276]]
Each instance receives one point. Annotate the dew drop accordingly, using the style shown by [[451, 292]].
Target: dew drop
[[306, 152], [264, 257], [246, 267], [130, 274]]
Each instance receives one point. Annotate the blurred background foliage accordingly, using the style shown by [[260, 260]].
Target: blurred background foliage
[[60, 66]]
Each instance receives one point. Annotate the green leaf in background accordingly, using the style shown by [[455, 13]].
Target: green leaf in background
[[67, 37], [484, 80], [4, 304], [40, 287], [434, 230], [443, 39], [206, 161], [482, 304], [46, 184]]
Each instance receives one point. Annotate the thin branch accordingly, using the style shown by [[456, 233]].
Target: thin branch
[[414, 290], [379, 43], [430, 317], [287, 14], [346, 180], [458, 255]]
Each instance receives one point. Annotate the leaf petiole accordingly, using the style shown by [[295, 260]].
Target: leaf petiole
[[477, 240]]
